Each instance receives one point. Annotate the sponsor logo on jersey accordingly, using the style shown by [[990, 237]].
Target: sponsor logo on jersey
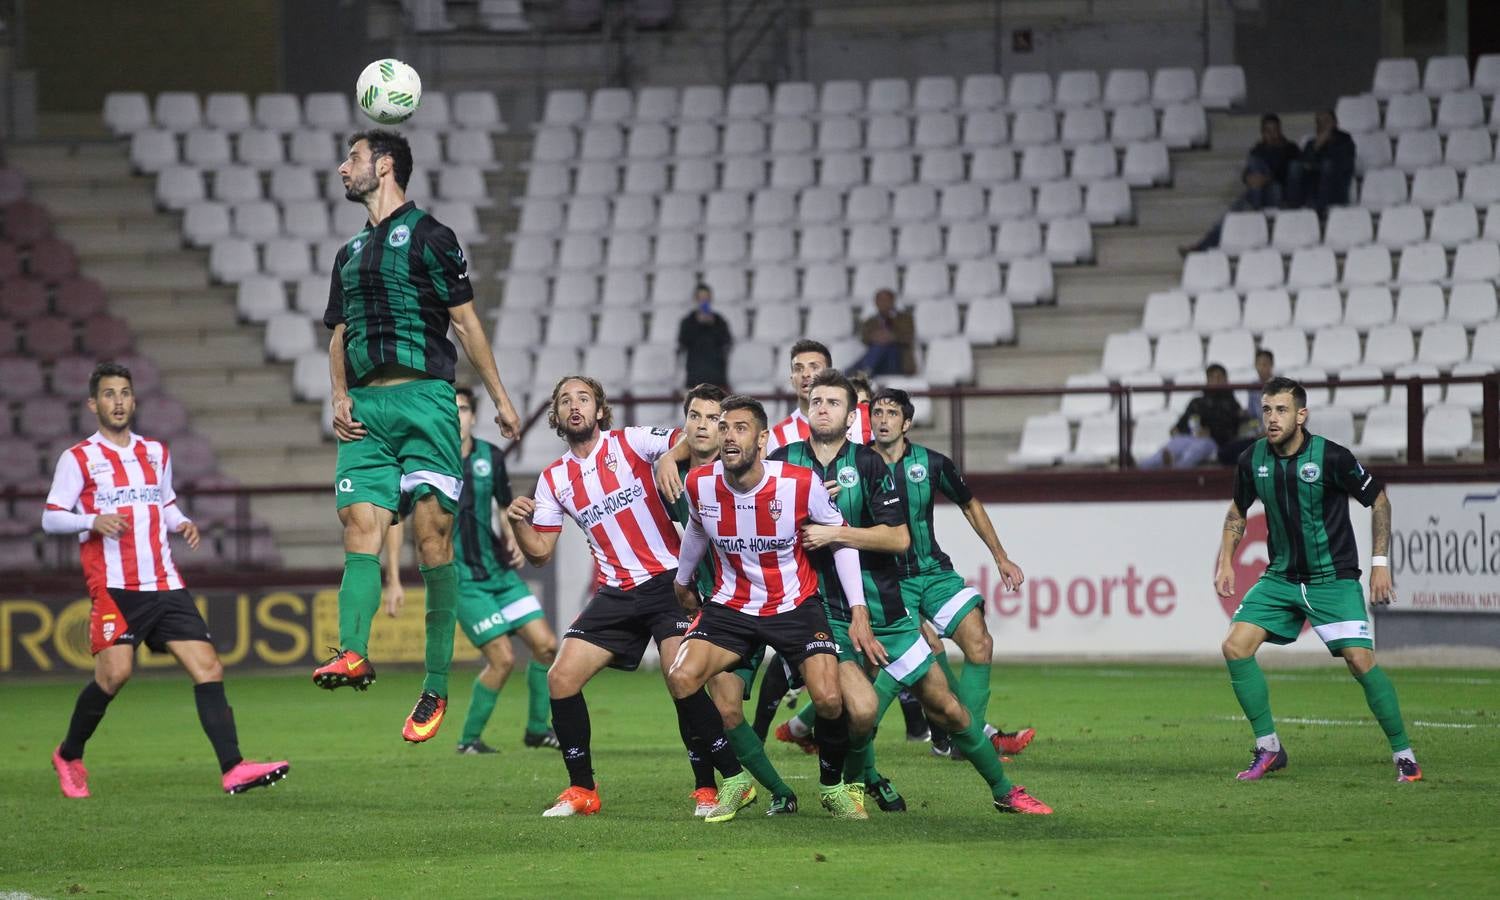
[[100, 468], [916, 473], [346, 486], [611, 504], [1263, 472], [661, 432], [611, 462], [126, 496], [566, 494], [848, 477], [356, 245], [755, 544], [774, 507], [481, 468], [399, 236], [1309, 472], [708, 511]]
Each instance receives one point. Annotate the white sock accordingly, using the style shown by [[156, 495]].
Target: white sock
[[1404, 754], [990, 730], [797, 727], [1270, 742]]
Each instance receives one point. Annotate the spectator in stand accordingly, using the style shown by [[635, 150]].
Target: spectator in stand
[[1250, 431], [1320, 176], [890, 339], [1210, 421], [1265, 177], [704, 340]]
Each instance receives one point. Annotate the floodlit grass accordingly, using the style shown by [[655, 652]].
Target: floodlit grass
[[1138, 761]]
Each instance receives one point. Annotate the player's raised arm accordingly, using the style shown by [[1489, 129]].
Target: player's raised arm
[[667, 479]]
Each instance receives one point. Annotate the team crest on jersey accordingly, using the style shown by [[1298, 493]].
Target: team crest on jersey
[[399, 236], [848, 477], [916, 473], [1309, 472], [481, 468], [774, 508], [611, 462], [109, 631]]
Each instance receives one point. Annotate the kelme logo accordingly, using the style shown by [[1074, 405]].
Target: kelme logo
[[916, 473], [848, 477], [1309, 472], [399, 236], [481, 468]]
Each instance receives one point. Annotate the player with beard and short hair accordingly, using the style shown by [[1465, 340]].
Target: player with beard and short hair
[[1305, 482], [753, 513], [396, 288], [700, 429], [878, 528], [604, 483], [114, 490]]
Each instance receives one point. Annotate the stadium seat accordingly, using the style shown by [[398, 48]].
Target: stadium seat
[[1477, 261], [259, 297], [287, 259], [1010, 200], [1258, 269], [1360, 398], [1420, 304], [1222, 87], [1445, 74], [1216, 311], [887, 132], [982, 92], [823, 282], [1077, 88], [935, 319], [1384, 435], [1395, 76], [1059, 200], [819, 206], [623, 288], [1126, 87], [992, 164], [1431, 392], [926, 280], [1030, 281], [911, 203], [258, 220], [950, 361], [126, 112], [478, 110], [1078, 406], [620, 327], [1470, 396], [1348, 227], [328, 110], [961, 203], [565, 107], [1454, 224], [1034, 127], [820, 243], [1335, 348], [1417, 150], [873, 276], [772, 245], [632, 250], [1472, 303], [517, 329], [1243, 231], [844, 170], [772, 207], [935, 94], [580, 251], [1070, 241], [1108, 202], [1030, 90], [827, 322], [888, 167], [1097, 443], [22, 377], [867, 204], [312, 147], [985, 129], [1184, 125], [1382, 188], [1018, 239], [1233, 349], [841, 97], [278, 112], [968, 241], [1173, 85], [1434, 186], [701, 103], [1126, 353], [1447, 431], [1400, 226], [1312, 267], [1083, 126], [1044, 440], [990, 321], [935, 131], [288, 335], [1094, 162], [153, 149], [1166, 311], [1289, 345], [232, 259], [1146, 164], [1443, 345], [1368, 306], [1389, 346], [751, 366], [679, 212], [1459, 110], [1358, 113], [1421, 263], [585, 215], [975, 279], [471, 147], [178, 111], [575, 290], [1367, 264]]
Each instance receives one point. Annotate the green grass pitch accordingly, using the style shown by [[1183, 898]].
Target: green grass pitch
[[1138, 761]]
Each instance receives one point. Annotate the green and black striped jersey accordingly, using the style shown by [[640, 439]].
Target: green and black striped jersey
[[867, 497], [478, 550], [1306, 496], [705, 576], [392, 287], [919, 475]]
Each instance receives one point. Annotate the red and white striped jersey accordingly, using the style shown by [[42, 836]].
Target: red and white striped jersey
[[794, 428], [757, 536], [95, 477], [612, 496]]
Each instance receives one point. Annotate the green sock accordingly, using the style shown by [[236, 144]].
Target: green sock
[[359, 598], [1381, 695], [752, 754], [538, 704], [481, 705], [442, 600], [982, 756], [1249, 684], [974, 690], [808, 715]]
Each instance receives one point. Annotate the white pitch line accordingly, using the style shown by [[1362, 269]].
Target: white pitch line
[[1303, 720]]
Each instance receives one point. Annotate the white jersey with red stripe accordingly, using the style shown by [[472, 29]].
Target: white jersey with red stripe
[[757, 535], [794, 428], [97, 477], [612, 496]]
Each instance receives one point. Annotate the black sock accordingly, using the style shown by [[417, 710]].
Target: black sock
[[936, 732], [570, 719], [703, 770], [911, 708], [773, 686], [87, 712], [707, 729], [218, 723], [832, 736]]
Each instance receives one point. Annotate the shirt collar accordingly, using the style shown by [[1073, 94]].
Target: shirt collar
[[1306, 439], [98, 438], [401, 210]]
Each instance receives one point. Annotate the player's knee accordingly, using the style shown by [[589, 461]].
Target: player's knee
[[562, 683], [1359, 660], [981, 649], [545, 651], [681, 683], [1234, 649], [434, 550], [113, 680], [733, 715], [949, 714], [210, 671], [828, 706]]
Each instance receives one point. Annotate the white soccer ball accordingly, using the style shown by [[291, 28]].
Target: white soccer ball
[[388, 91]]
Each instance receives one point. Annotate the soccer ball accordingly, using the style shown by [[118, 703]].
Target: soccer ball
[[388, 91]]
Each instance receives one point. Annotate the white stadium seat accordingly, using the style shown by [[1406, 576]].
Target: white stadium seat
[[1222, 87]]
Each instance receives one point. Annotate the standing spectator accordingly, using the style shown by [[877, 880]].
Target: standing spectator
[[1320, 176], [704, 340], [890, 339], [1264, 176], [1210, 421]]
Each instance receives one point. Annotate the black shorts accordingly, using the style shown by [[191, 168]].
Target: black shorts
[[623, 622], [149, 617], [794, 635]]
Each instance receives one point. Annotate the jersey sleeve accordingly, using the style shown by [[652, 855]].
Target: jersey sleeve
[[950, 481], [333, 316], [651, 443], [820, 507], [446, 265], [1244, 482], [549, 513], [885, 503], [172, 513], [1345, 471], [67, 484]]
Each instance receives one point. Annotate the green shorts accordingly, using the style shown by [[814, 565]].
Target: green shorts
[[748, 667], [942, 598], [495, 608], [910, 657], [410, 448], [1336, 610]]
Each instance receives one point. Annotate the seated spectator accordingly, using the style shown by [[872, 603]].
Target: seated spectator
[[1210, 421], [1264, 176], [704, 340], [1320, 176], [890, 339], [1250, 431]]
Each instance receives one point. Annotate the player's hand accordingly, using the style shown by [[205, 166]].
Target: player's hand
[[816, 537], [1224, 580], [508, 419], [1382, 588], [521, 509], [862, 636], [1010, 574], [832, 485], [108, 524], [667, 479], [686, 596], [515, 557], [189, 531], [345, 427], [392, 597]]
